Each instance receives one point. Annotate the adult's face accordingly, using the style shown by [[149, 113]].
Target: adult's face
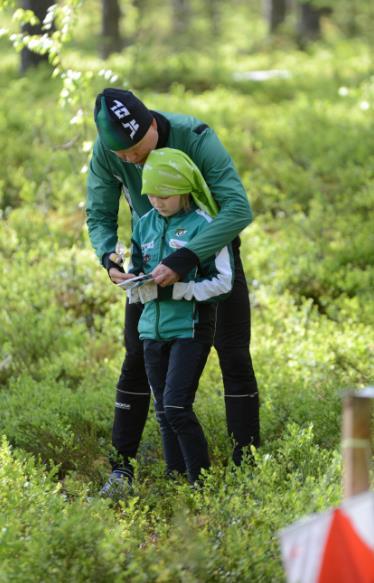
[[138, 154]]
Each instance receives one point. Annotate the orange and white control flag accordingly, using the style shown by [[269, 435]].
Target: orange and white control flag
[[334, 547]]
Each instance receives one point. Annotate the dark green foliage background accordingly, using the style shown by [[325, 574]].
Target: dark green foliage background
[[304, 148]]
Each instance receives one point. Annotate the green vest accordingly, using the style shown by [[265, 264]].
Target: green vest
[[154, 238]]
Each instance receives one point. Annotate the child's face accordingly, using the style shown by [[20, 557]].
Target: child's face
[[166, 205]]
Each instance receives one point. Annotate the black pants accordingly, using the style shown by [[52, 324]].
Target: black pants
[[174, 369], [232, 340]]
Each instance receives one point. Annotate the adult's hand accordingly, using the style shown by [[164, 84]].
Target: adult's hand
[[117, 276], [164, 276]]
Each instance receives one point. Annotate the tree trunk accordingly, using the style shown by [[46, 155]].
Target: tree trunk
[[308, 25], [111, 36], [39, 8], [275, 13], [214, 15], [181, 16]]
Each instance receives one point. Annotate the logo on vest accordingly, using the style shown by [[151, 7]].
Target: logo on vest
[[149, 245], [177, 243], [180, 232]]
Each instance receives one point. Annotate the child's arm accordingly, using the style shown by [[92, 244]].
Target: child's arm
[[212, 287]]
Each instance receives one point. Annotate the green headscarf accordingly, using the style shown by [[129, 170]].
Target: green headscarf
[[169, 172]]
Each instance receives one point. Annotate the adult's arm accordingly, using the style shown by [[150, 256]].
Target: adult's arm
[[136, 258], [103, 196], [235, 212]]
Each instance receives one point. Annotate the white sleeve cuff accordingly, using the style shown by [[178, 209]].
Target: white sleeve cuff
[[183, 291]]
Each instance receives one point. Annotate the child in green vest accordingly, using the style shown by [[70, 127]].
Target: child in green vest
[[177, 324]]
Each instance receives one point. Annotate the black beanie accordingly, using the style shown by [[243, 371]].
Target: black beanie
[[122, 120]]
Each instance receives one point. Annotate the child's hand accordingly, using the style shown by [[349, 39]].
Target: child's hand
[[164, 276]]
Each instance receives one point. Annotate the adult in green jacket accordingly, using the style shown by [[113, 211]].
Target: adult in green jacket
[[127, 132]]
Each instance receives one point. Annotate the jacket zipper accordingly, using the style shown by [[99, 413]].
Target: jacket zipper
[[162, 239]]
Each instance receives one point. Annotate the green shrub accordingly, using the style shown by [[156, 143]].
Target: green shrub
[[68, 428], [45, 536]]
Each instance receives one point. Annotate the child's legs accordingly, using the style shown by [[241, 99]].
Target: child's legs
[[156, 357], [186, 363]]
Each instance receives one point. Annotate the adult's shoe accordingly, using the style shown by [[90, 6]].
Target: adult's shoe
[[118, 485]]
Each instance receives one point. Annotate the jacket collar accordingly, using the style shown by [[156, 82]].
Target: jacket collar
[[163, 128]]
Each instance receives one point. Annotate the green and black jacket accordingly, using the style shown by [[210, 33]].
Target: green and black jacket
[[109, 177]]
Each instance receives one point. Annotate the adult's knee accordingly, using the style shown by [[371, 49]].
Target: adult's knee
[[134, 356], [234, 362], [133, 377], [133, 361]]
